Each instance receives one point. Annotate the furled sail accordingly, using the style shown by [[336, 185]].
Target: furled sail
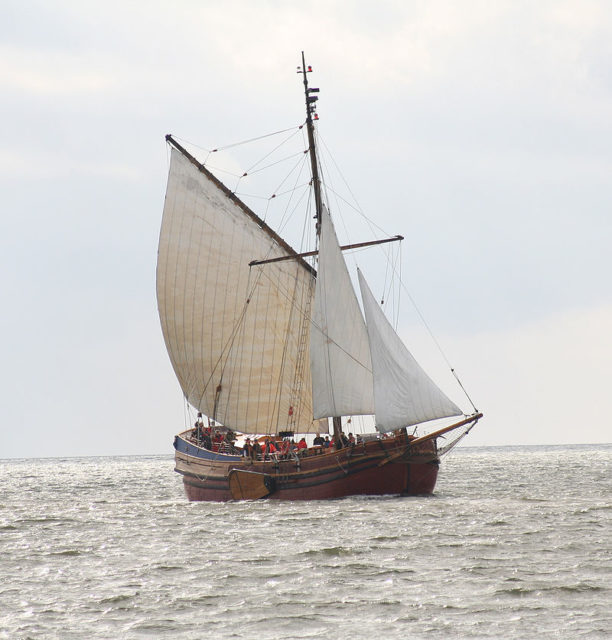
[[237, 336], [340, 356], [403, 393]]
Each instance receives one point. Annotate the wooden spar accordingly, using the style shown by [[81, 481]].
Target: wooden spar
[[346, 247], [251, 214], [310, 107], [337, 425], [430, 436], [439, 432], [316, 185]]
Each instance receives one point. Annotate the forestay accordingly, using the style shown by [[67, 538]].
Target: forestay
[[237, 336], [403, 393]]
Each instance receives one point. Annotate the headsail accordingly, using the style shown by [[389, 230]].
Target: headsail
[[237, 336], [340, 355], [403, 393]]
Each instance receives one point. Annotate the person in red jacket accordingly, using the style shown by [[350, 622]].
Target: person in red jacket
[[269, 449]]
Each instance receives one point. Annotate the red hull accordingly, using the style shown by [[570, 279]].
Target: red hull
[[372, 482], [378, 468]]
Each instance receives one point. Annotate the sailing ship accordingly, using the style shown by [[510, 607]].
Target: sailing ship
[[273, 344]]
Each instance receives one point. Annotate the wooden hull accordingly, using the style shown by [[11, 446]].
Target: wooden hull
[[380, 467]]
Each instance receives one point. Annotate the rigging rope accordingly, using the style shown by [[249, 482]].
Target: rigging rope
[[250, 172], [237, 144], [278, 146], [394, 274], [252, 169], [438, 346]]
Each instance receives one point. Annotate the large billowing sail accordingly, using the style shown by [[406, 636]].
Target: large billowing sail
[[237, 336], [403, 393], [339, 352]]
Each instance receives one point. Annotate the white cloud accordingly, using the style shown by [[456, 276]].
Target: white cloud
[[41, 72], [33, 164], [548, 382]]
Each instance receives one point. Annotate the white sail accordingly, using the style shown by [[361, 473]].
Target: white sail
[[237, 336], [340, 356], [403, 393]]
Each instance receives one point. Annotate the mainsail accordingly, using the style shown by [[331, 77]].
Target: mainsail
[[340, 355], [237, 336], [403, 393]]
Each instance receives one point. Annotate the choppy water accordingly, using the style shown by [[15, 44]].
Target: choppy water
[[516, 543]]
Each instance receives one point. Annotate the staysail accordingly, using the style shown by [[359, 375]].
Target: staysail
[[339, 351], [237, 336], [403, 393]]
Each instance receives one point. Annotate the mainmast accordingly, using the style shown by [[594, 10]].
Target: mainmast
[[310, 110], [311, 99]]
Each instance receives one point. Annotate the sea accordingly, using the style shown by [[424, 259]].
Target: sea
[[515, 543]]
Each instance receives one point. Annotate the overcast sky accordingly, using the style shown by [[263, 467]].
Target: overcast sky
[[481, 131]]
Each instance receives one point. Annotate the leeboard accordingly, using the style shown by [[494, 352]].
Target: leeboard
[[250, 485]]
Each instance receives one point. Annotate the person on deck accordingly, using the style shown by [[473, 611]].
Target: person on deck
[[302, 446], [269, 449], [256, 450], [247, 450], [284, 450], [326, 442], [318, 441]]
